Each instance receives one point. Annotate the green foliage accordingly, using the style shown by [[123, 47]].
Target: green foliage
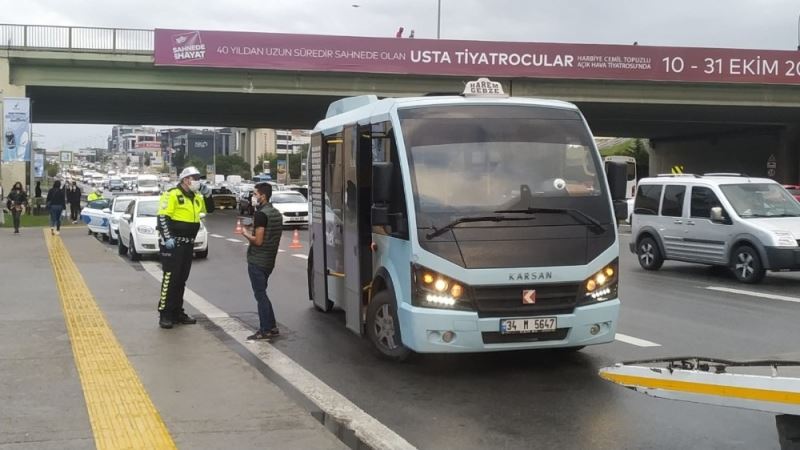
[[52, 169], [198, 163], [147, 159], [232, 165], [632, 147]]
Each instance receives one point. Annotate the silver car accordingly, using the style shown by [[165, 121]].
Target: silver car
[[750, 225]]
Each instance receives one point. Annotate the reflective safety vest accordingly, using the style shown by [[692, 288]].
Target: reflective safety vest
[[93, 196], [182, 211]]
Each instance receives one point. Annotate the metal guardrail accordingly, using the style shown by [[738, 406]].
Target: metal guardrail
[[52, 37]]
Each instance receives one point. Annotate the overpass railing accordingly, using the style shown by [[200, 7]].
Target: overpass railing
[[51, 37]]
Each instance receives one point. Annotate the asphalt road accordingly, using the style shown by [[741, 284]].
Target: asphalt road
[[529, 399]]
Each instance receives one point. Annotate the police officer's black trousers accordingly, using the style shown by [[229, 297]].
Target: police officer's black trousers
[[176, 264]]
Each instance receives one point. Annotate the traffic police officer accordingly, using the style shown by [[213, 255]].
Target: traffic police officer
[[94, 195], [178, 224]]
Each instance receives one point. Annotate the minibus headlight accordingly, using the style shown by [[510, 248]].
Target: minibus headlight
[[434, 290], [601, 286]]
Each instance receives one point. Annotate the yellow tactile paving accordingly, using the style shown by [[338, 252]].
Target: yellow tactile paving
[[120, 411]]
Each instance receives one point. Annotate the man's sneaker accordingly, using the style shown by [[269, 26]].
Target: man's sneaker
[[262, 335], [165, 323], [185, 319]]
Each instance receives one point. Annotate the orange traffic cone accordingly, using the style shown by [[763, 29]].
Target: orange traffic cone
[[238, 228], [296, 240]]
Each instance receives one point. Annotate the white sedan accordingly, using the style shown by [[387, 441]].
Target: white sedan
[[292, 206], [96, 217], [138, 235], [115, 211]]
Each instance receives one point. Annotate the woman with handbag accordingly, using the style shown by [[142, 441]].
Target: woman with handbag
[[56, 202], [17, 200]]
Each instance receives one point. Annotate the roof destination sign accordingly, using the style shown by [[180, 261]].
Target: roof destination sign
[[484, 87], [433, 57]]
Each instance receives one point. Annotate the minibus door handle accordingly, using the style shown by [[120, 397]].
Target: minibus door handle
[[677, 222]]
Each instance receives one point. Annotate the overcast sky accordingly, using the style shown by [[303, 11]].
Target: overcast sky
[[761, 24]]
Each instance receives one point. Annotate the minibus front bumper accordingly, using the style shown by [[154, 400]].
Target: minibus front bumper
[[428, 330]]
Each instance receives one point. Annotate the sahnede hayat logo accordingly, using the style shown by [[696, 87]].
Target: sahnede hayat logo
[[188, 46]]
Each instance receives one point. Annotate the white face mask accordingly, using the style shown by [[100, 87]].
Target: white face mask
[[195, 185]]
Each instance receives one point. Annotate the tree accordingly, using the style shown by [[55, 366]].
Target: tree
[[639, 151], [147, 159], [232, 165], [273, 164], [52, 169], [198, 163]]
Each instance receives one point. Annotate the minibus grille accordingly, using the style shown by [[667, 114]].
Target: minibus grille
[[494, 337], [506, 301]]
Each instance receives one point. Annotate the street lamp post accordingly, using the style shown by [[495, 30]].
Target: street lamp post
[[439, 20], [798, 32]]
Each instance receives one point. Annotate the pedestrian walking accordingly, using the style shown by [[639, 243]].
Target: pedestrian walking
[[178, 224], [74, 199], [55, 202], [2, 210], [38, 190], [264, 239], [16, 202]]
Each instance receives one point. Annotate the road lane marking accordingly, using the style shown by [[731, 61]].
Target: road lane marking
[[336, 406], [233, 240], [297, 255], [635, 341], [280, 250], [784, 298], [219, 236], [118, 405], [211, 311]]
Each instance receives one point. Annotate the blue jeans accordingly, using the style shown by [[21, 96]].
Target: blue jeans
[[55, 216], [258, 280]]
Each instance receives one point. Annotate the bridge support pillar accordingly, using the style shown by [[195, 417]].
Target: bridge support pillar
[[758, 153], [14, 171]]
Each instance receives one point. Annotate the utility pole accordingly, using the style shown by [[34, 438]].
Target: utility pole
[[439, 21]]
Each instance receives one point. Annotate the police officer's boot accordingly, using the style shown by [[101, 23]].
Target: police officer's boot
[[185, 319], [165, 321]]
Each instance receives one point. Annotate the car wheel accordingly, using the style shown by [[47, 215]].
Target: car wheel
[[121, 249], [90, 231], [132, 253], [111, 239], [649, 254], [202, 255], [746, 265], [383, 328]]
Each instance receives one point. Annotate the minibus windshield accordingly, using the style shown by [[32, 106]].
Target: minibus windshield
[[761, 200], [469, 160]]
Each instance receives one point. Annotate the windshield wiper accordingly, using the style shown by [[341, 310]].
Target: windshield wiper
[[576, 214], [439, 231]]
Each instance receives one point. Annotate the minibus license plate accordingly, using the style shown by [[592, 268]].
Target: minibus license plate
[[528, 325]]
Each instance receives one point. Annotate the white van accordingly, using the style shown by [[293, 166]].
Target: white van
[[147, 185], [750, 225]]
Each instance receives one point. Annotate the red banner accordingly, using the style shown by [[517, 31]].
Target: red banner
[[293, 52]]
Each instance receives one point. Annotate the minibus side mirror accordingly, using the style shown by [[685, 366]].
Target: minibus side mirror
[[620, 209], [617, 174], [380, 216], [382, 182]]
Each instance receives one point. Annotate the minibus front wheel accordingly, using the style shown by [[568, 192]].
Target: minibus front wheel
[[383, 328]]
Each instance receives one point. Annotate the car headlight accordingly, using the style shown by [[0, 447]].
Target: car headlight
[[784, 238], [434, 290], [145, 229], [601, 286], [114, 221]]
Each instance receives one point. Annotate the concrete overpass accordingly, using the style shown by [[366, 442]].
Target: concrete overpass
[[711, 125]]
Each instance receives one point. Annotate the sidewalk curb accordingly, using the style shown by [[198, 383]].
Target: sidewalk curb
[[349, 423]]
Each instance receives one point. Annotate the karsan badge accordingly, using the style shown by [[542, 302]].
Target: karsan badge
[[529, 297]]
